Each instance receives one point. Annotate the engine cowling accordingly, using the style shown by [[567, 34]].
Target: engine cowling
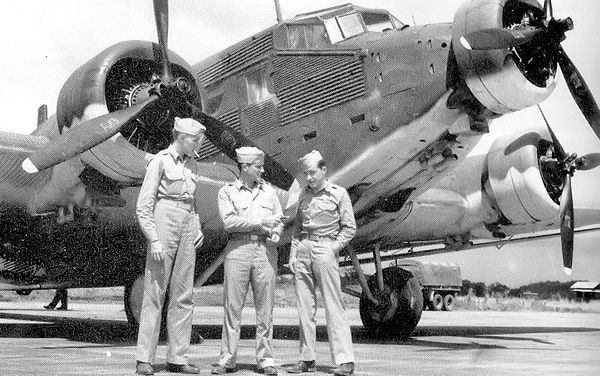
[[120, 76], [523, 188], [502, 80]]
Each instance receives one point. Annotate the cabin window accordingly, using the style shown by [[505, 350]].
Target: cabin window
[[333, 30], [257, 86], [377, 22], [350, 25], [307, 37]]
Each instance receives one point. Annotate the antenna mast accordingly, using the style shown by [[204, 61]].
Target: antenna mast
[[278, 11]]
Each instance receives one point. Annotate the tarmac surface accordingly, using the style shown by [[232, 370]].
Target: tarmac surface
[[95, 339]]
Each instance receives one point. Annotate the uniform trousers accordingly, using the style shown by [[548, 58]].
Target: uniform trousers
[[317, 267], [248, 263], [176, 227]]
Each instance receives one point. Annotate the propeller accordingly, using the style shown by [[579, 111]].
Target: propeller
[[580, 91], [97, 130], [548, 33], [161, 16], [568, 163], [169, 91], [83, 137], [228, 139]]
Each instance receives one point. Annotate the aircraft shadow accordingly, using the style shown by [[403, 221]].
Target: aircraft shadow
[[120, 333]]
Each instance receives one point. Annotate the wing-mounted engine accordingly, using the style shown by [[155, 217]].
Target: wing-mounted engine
[[524, 179], [121, 76], [501, 80]]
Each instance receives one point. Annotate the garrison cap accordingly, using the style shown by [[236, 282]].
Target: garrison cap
[[189, 126], [249, 154], [311, 159]]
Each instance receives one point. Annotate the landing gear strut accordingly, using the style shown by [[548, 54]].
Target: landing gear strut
[[400, 303], [391, 300]]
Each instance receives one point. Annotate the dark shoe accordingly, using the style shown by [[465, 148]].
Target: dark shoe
[[61, 308], [302, 366], [49, 306], [268, 370], [345, 369], [143, 368], [221, 370], [183, 368]]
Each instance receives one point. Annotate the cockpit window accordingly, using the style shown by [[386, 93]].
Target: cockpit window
[[350, 25], [377, 22], [317, 30], [307, 36]]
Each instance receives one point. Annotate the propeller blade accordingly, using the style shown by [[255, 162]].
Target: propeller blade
[[494, 39], [161, 15], [83, 137], [567, 222], [548, 11], [580, 91], [588, 161], [561, 155], [228, 139]]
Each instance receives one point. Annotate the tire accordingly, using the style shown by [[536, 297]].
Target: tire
[[448, 302], [437, 302], [403, 293], [132, 299]]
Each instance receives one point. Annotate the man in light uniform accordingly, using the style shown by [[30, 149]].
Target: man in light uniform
[[324, 226], [166, 213], [252, 214]]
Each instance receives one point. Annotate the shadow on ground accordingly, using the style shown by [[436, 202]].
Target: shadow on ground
[[118, 333]]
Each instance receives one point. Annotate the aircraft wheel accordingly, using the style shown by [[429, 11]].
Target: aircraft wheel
[[437, 302], [133, 296], [400, 303], [448, 302]]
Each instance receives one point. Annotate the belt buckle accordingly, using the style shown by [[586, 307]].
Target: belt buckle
[[253, 237]]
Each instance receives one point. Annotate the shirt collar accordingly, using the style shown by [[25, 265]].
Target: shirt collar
[[326, 187], [175, 155], [239, 184]]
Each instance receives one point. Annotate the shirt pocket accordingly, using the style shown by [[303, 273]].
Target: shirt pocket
[[326, 210], [266, 208], [240, 208], [173, 181]]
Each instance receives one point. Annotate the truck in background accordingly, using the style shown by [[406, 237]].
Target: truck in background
[[440, 282]]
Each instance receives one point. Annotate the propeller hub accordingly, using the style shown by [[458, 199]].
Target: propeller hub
[[558, 28]]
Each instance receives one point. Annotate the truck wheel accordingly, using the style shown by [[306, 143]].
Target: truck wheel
[[437, 302], [400, 303], [448, 302]]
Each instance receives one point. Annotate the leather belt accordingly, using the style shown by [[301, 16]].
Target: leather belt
[[188, 205], [248, 236], [317, 238]]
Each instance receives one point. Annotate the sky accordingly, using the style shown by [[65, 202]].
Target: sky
[[45, 41]]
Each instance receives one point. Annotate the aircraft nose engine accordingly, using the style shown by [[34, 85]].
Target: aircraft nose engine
[[122, 76], [504, 80]]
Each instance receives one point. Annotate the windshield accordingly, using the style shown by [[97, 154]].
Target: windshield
[[377, 22]]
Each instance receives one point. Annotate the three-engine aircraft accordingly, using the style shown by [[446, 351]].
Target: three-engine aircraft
[[397, 109]]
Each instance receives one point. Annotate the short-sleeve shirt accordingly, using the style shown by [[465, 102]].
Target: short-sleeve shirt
[[171, 176], [327, 212], [242, 209]]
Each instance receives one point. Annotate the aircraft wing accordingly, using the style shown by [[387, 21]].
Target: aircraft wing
[[16, 186], [418, 250]]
